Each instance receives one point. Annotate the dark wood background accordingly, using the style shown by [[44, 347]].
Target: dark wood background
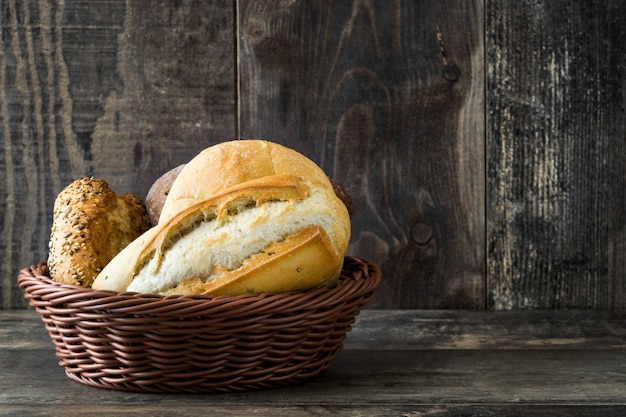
[[482, 141]]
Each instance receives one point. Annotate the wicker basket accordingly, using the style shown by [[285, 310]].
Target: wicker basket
[[194, 344]]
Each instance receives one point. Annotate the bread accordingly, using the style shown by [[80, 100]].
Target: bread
[[91, 224], [241, 217], [344, 196], [160, 189], [228, 164], [158, 193]]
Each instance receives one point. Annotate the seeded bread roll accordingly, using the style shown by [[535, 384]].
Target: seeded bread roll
[[91, 224], [241, 217]]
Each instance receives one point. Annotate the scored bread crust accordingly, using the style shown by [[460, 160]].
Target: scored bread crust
[[228, 164], [204, 242], [91, 224], [289, 265], [160, 189]]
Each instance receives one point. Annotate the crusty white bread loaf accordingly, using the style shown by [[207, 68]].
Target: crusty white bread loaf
[[160, 189], [228, 164], [241, 217]]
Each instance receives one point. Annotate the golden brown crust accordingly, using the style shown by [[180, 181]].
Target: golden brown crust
[[242, 216], [290, 265], [160, 189], [228, 164], [153, 245], [91, 224]]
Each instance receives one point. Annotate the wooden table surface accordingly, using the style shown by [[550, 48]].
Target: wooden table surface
[[404, 363]]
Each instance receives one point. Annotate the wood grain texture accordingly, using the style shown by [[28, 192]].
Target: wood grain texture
[[418, 410], [118, 90], [453, 329], [388, 98], [290, 410], [556, 140], [394, 363], [507, 194]]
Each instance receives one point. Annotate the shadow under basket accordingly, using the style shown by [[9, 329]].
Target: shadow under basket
[[198, 344]]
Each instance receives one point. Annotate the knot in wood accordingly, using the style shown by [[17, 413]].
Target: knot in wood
[[421, 233], [451, 72]]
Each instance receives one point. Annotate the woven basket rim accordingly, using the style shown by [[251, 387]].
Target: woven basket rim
[[38, 275]]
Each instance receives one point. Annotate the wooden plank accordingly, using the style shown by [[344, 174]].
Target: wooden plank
[[118, 90], [388, 98], [390, 377], [16, 324], [290, 410], [435, 329], [395, 362], [556, 133]]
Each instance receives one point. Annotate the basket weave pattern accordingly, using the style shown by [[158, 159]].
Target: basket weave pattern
[[193, 344]]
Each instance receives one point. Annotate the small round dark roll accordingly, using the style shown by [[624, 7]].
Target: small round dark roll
[[344, 196], [158, 193]]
